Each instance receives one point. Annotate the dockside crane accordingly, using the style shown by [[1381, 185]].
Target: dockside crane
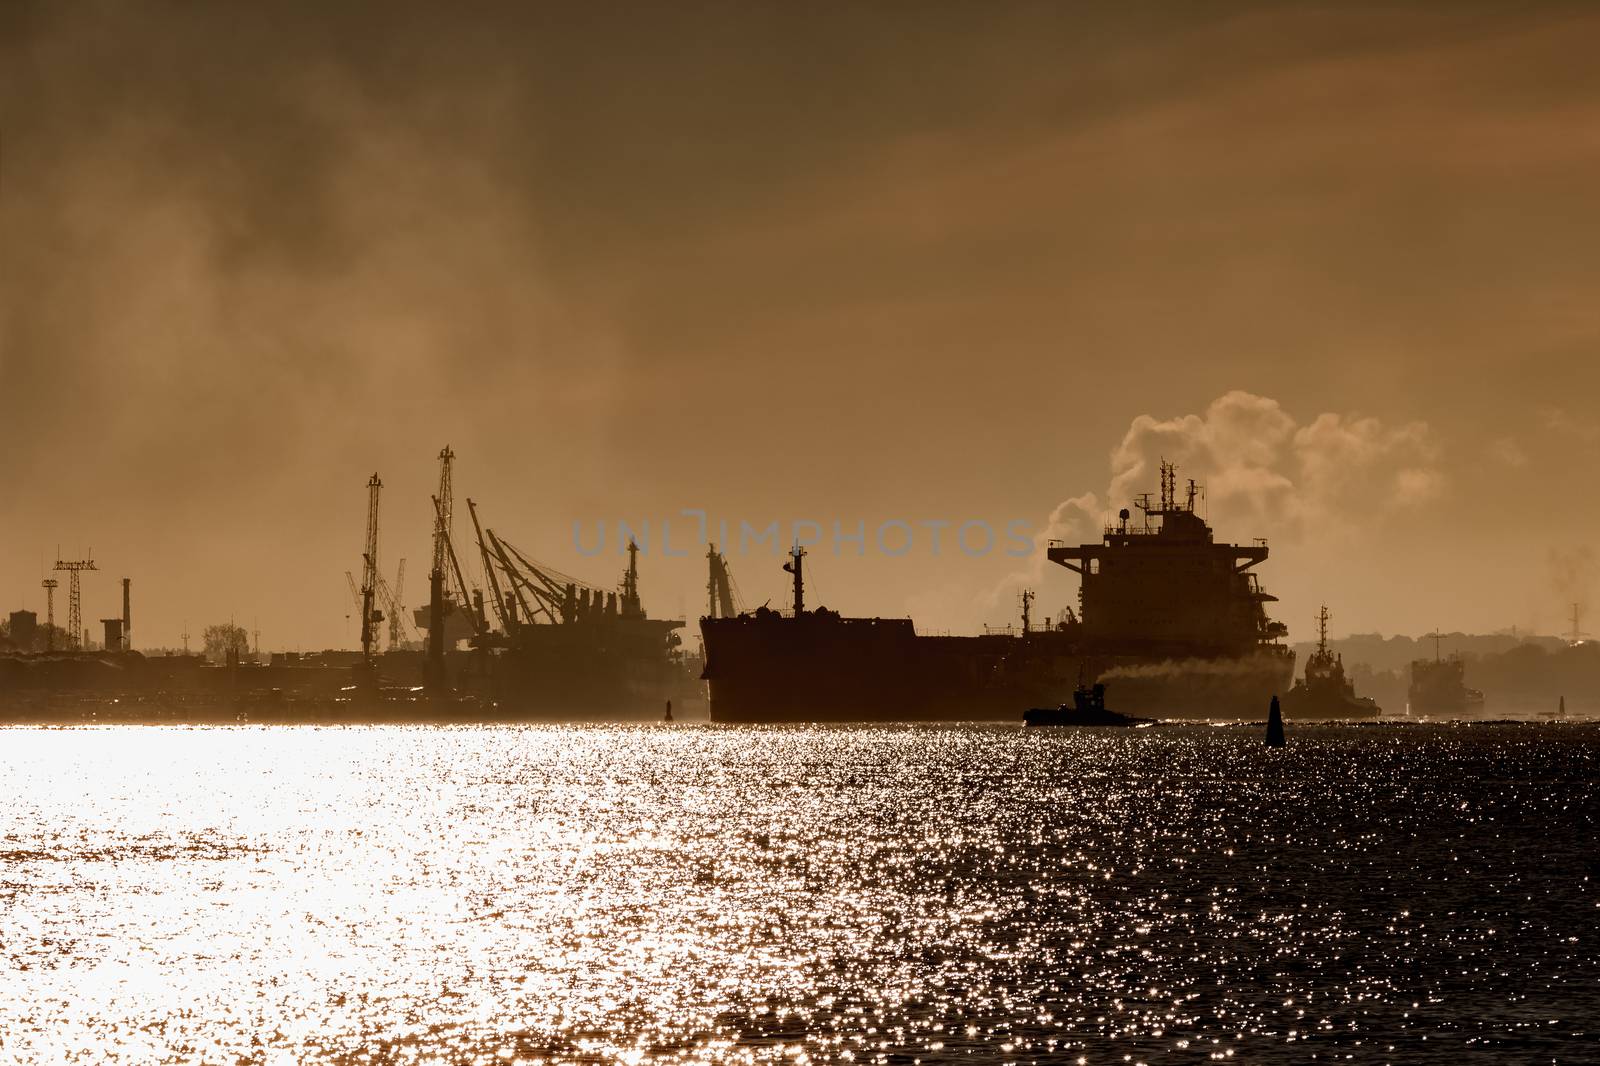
[[370, 615], [507, 623], [475, 616], [523, 589], [391, 598], [436, 675], [721, 594]]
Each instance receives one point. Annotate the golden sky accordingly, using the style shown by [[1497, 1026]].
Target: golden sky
[[855, 262]]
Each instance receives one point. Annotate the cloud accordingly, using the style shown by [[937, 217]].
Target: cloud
[[1509, 452], [1564, 424]]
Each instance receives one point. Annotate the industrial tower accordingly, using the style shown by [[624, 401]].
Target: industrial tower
[[436, 678], [49, 585], [75, 598], [370, 615]]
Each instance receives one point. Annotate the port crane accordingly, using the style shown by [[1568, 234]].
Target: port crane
[[722, 595], [390, 597], [370, 615], [435, 672], [524, 590]]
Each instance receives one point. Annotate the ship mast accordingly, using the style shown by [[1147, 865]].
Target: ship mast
[[1027, 602], [630, 582], [797, 567], [1322, 630]]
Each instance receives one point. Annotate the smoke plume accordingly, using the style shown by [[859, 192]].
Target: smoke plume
[[1257, 468], [1572, 574], [1260, 472]]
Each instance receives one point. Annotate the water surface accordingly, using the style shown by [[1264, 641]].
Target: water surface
[[1403, 893]]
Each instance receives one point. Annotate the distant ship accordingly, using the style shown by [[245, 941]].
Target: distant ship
[[1173, 620], [1325, 691], [564, 649], [1438, 686]]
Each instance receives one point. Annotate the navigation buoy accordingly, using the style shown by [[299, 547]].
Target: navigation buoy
[[1275, 725], [668, 718]]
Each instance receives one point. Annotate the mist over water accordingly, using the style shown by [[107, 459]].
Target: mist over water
[[950, 894]]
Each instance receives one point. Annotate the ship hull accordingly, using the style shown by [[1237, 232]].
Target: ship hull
[[1302, 706], [606, 669], [831, 669]]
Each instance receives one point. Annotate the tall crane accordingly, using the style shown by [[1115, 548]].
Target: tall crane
[[49, 585], [370, 615], [719, 589], [390, 596], [75, 598], [436, 677]]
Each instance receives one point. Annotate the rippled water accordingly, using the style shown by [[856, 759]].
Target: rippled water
[[886, 895]]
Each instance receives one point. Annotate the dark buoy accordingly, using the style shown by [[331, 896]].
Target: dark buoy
[[668, 718], [1275, 725]]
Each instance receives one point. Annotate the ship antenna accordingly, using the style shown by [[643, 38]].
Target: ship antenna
[[1027, 601], [1322, 630]]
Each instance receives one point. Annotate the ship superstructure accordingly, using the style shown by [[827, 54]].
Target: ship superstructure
[[1438, 685], [1163, 586], [1325, 692]]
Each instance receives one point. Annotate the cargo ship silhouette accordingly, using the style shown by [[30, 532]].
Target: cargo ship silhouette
[[1173, 622]]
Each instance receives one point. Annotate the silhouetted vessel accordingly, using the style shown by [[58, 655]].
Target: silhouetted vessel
[[1175, 619], [1088, 708], [1325, 691], [563, 649], [1438, 686]]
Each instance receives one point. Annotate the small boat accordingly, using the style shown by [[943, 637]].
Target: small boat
[[1088, 708]]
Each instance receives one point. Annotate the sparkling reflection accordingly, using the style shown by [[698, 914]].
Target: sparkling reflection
[[874, 895]]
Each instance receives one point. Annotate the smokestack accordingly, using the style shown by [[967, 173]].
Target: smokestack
[[127, 624]]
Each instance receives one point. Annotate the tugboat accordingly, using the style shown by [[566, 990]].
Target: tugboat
[[1325, 692], [1088, 708], [1439, 686]]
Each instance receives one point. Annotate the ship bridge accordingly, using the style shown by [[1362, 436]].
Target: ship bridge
[[1163, 580]]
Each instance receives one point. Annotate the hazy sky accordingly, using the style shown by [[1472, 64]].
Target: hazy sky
[[860, 262]]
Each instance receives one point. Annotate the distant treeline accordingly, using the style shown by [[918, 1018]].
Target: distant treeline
[[1515, 673]]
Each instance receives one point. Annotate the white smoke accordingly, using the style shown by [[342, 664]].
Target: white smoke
[[1261, 473]]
